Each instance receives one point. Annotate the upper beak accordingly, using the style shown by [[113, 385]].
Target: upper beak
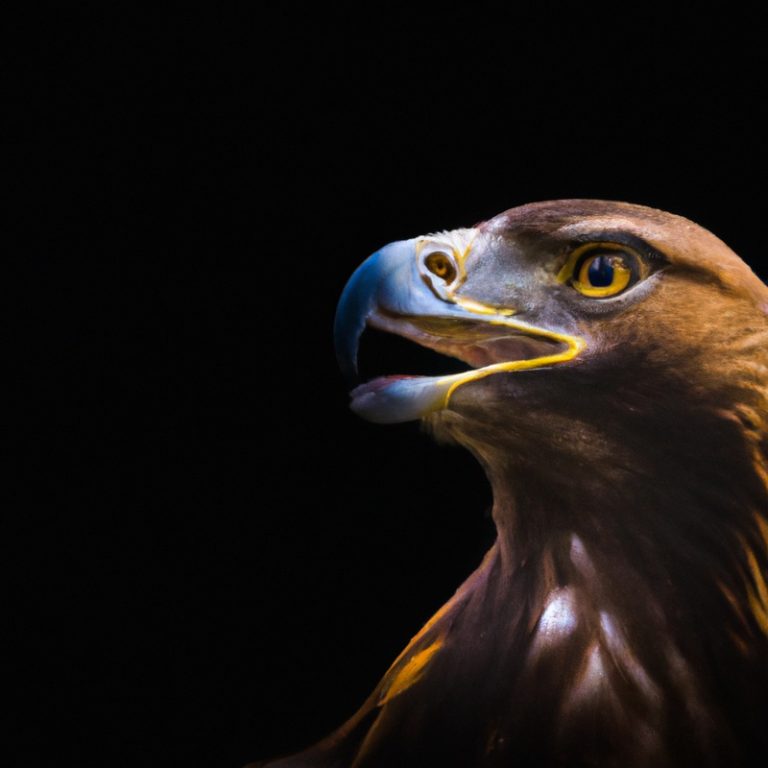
[[389, 281]]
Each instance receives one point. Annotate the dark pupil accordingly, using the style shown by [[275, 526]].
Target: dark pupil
[[600, 272]]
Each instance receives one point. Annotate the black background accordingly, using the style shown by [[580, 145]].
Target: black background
[[213, 560]]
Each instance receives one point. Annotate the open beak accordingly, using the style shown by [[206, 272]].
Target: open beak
[[395, 291]]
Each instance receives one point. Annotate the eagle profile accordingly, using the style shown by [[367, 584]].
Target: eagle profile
[[616, 395]]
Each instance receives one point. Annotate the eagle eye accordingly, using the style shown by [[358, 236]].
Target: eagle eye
[[600, 270], [441, 264]]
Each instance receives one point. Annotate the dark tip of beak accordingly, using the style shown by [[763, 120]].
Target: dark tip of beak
[[357, 303], [349, 372], [347, 329], [382, 281]]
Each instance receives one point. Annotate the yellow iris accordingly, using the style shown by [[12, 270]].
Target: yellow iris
[[603, 274], [599, 270]]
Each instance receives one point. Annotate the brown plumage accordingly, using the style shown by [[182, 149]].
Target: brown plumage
[[621, 618]]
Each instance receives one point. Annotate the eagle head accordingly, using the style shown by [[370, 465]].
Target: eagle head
[[606, 344]]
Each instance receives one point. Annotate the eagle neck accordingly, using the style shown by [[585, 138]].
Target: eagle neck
[[667, 574]]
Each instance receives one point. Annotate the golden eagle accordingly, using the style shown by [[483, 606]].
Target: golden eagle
[[617, 398]]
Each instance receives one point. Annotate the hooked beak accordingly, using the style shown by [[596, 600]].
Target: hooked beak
[[395, 291]]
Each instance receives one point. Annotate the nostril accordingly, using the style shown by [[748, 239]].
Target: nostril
[[441, 264]]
